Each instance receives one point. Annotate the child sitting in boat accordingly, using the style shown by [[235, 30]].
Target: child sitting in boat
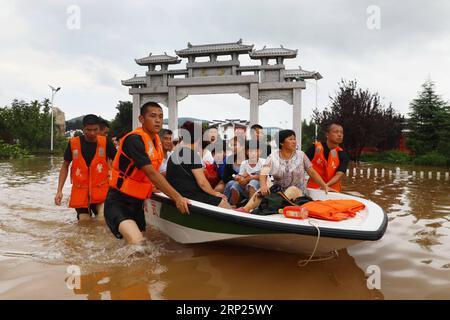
[[214, 171], [246, 183], [233, 163], [288, 167]]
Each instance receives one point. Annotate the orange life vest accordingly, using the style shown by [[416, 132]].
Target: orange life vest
[[334, 210], [133, 181], [325, 168], [89, 184]]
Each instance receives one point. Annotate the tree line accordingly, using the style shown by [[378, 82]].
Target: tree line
[[122, 122], [429, 123], [26, 124], [366, 121]]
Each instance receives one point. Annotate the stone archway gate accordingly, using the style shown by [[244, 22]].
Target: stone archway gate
[[258, 83]]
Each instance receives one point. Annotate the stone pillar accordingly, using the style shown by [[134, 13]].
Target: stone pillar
[[173, 109], [254, 105], [297, 114], [262, 75], [136, 110]]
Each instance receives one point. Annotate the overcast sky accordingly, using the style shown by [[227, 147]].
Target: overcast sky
[[393, 56]]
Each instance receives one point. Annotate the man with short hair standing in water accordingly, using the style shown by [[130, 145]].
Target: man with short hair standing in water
[[135, 174], [104, 127], [329, 159], [89, 156]]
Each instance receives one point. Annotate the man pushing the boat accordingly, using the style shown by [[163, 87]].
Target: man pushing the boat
[[135, 172]]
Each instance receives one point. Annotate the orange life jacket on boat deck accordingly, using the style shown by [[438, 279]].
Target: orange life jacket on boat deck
[[334, 210], [89, 184], [325, 168], [133, 181]]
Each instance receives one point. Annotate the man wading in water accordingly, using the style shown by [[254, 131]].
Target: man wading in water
[[89, 155], [328, 159], [135, 170]]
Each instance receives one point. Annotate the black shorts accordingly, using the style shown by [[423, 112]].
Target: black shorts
[[120, 207], [91, 210]]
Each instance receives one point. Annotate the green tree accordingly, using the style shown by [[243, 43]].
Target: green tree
[[5, 135], [74, 125], [393, 123], [366, 122], [27, 124], [308, 133], [429, 122], [123, 121]]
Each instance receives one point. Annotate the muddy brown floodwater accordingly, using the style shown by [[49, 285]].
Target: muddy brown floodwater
[[41, 244]]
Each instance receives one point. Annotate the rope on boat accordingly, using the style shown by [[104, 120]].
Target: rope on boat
[[18, 254], [304, 262]]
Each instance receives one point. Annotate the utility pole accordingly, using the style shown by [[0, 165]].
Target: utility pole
[[54, 91]]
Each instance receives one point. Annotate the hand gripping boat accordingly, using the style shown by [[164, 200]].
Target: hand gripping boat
[[207, 223]]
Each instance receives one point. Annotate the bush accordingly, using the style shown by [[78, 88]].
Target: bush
[[370, 157], [8, 151], [393, 156], [432, 159]]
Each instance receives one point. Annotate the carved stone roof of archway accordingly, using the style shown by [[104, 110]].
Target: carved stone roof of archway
[[157, 59], [273, 53], [134, 81], [300, 73], [215, 48]]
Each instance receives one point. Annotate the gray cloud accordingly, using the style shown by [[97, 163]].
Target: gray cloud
[[37, 48]]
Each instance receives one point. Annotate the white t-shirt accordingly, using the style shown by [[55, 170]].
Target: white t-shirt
[[247, 169], [163, 167]]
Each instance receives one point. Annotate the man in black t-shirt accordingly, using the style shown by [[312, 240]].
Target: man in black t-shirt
[[343, 157], [185, 171], [88, 143], [135, 174], [335, 136], [104, 127], [88, 149]]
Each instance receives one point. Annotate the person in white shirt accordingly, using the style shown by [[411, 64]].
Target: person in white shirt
[[247, 181], [167, 144]]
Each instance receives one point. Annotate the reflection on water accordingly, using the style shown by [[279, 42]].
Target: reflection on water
[[228, 273], [27, 170], [414, 253], [38, 241]]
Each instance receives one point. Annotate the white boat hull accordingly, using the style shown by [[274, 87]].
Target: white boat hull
[[292, 243], [209, 224]]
